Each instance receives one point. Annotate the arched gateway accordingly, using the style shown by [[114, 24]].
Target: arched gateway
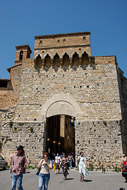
[[60, 111]]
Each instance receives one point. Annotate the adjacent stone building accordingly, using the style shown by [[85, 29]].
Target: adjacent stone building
[[64, 100]]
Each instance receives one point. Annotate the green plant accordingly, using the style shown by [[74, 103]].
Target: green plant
[[103, 170], [11, 124], [31, 129], [105, 123], [116, 169], [15, 128], [0, 144], [100, 118], [90, 167], [20, 124]]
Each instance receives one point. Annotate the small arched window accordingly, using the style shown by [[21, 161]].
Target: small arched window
[[21, 55], [75, 59], [66, 61], [56, 60], [85, 59], [47, 61], [38, 62]]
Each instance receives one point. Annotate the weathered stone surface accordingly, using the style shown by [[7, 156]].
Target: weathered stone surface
[[63, 78]]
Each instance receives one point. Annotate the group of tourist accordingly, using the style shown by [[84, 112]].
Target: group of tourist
[[19, 163]]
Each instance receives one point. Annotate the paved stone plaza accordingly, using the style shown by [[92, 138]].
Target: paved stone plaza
[[95, 181]]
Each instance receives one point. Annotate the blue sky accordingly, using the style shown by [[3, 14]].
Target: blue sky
[[20, 21]]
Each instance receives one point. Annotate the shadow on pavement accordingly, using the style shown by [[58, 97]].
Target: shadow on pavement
[[86, 180], [69, 178], [27, 172]]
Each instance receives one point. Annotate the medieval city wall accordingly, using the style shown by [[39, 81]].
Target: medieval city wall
[[94, 88], [63, 79], [100, 141], [29, 134]]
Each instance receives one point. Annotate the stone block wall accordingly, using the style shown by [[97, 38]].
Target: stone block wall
[[94, 88], [122, 81], [28, 134], [100, 141], [62, 43]]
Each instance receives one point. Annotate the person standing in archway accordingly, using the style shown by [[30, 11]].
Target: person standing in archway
[[57, 163]]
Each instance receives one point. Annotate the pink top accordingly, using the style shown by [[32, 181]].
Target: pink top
[[19, 163]]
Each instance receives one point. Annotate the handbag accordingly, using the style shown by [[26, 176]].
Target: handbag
[[86, 172], [38, 171]]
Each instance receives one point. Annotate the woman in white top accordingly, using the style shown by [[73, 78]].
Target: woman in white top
[[57, 163], [45, 166], [82, 166]]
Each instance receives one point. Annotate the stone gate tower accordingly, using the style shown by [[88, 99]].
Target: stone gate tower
[[64, 99]]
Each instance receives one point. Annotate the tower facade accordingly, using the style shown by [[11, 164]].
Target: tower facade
[[64, 99]]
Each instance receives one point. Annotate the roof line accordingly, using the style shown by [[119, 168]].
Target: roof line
[[61, 35]]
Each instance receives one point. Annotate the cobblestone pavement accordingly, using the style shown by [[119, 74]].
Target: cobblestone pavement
[[95, 181]]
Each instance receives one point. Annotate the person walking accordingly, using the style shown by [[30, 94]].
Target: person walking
[[57, 163], [19, 163], [45, 166], [11, 161], [82, 166], [64, 164], [71, 159]]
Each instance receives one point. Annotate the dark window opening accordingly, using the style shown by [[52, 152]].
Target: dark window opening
[[3, 83], [40, 42], [21, 55]]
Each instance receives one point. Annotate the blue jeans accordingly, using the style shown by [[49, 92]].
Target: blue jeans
[[70, 163], [18, 179], [43, 180]]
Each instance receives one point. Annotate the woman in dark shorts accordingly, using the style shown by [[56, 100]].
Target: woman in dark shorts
[[65, 167]]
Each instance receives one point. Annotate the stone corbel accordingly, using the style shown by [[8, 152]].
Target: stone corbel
[[52, 63], [42, 62], [70, 62], [61, 62], [80, 61]]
